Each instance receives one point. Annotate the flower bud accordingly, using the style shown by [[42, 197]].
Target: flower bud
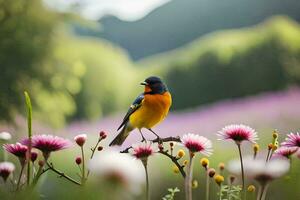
[[211, 172], [270, 146], [185, 162], [80, 139], [221, 166], [194, 184], [255, 148], [78, 160], [100, 148], [274, 147], [175, 169], [251, 188], [41, 163], [275, 134], [219, 179], [102, 135], [204, 162], [180, 153], [33, 156], [192, 154], [231, 179]]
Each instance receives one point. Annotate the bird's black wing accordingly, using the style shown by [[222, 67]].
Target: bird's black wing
[[134, 106]]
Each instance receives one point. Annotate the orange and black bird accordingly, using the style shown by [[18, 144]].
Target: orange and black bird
[[148, 109]]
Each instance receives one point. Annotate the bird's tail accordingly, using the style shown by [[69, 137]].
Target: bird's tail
[[121, 137]]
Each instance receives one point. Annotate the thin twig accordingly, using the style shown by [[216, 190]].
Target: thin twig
[[61, 174]]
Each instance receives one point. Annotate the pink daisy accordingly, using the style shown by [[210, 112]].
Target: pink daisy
[[292, 140], [6, 168], [238, 133], [17, 149], [196, 143], [48, 143], [285, 151], [142, 150]]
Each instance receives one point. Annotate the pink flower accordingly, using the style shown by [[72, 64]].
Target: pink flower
[[197, 143], [238, 133], [142, 150], [292, 140], [17, 149], [80, 139], [6, 168], [48, 143], [285, 151]]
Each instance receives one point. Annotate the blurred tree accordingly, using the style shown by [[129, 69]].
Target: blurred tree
[[25, 40]]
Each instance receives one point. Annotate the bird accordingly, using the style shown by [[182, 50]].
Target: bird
[[148, 109]]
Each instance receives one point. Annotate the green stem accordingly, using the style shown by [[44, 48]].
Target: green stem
[[29, 125], [242, 169], [220, 192], [264, 192], [83, 166], [20, 176], [269, 151], [37, 176], [207, 185], [94, 149], [92, 155], [147, 179], [188, 179]]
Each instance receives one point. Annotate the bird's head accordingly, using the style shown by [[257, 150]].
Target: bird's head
[[154, 85]]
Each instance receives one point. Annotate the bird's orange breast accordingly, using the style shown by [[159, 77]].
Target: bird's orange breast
[[153, 110]]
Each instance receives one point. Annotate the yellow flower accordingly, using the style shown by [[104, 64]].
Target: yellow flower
[[204, 162], [180, 153], [194, 184], [251, 188], [219, 179], [175, 169]]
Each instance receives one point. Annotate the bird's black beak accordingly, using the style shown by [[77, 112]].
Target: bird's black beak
[[144, 83]]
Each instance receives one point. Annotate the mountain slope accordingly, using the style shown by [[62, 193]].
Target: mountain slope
[[179, 22]]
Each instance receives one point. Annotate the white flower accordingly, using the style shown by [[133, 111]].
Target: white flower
[[5, 136], [129, 171], [260, 170]]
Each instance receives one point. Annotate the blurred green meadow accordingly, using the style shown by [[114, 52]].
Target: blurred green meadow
[[224, 62]]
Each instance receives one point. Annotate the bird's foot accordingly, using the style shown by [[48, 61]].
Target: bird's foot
[[159, 140], [143, 139]]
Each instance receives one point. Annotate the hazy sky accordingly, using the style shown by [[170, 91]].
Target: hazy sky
[[94, 9]]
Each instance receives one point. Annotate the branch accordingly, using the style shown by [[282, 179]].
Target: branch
[[173, 158], [175, 161], [61, 174], [157, 140]]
